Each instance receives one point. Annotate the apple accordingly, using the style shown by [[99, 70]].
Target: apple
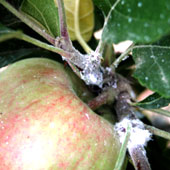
[[44, 125]]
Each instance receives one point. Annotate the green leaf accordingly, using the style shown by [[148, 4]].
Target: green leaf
[[154, 101], [153, 68], [99, 19], [164, 41], [9, 57], [10, 46], [7, 18], [138, 20], [11, 51], [43, 12], [4, 30], [104, 5]]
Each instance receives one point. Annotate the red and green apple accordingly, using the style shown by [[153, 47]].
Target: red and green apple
[[45, 125]]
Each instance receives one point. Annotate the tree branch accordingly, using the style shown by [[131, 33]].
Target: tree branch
[[126, 114]]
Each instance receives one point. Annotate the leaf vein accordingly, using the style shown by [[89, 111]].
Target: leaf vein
[[41, 16], [163, 76]]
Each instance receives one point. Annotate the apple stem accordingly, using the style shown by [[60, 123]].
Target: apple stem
[[107, 96]]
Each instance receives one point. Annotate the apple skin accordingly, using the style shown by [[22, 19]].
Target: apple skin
[[44, 125]]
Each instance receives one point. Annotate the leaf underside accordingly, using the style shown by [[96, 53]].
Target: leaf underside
[[86, 18], [45, 13]]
